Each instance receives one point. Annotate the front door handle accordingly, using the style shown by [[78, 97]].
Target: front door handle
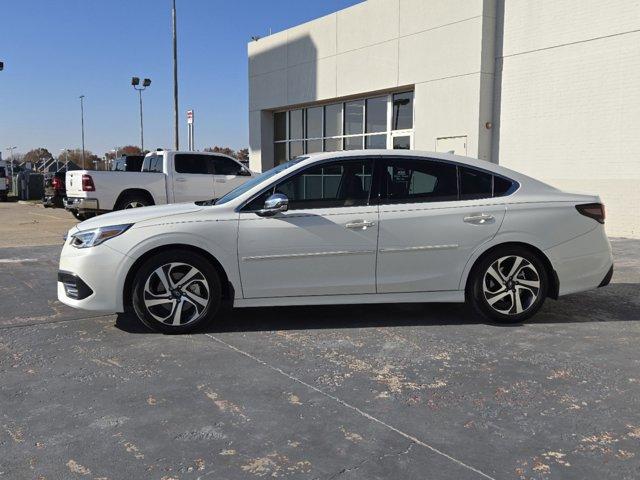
[[363, 224], [181, 179], [479, 219]]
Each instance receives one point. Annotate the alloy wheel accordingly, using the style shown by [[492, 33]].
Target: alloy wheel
[[134, 204], [511, 285], [176, 294]]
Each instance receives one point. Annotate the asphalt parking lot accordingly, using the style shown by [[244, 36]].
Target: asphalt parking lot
[[384, 391]]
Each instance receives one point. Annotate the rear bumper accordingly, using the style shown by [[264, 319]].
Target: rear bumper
[[583, 263], [80, 204]]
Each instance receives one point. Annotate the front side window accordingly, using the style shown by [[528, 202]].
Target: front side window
[[226, 166], [412, 181], [193, 163], [343, 183]]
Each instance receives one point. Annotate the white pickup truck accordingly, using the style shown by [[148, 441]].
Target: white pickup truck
[[165, 177]]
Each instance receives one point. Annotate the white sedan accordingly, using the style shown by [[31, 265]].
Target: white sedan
[[341, 228]]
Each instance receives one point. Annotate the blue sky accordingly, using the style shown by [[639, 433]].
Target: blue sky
[[56, 50]]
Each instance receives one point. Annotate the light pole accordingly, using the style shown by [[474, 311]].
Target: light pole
[[11, 149], [175, 75], [135, 81], [82, 123]]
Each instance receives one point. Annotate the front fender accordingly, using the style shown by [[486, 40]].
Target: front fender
[[219, 242]]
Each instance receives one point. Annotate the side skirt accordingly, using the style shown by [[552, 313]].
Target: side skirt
[[452, 296]]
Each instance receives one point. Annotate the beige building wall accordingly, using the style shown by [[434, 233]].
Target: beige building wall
[[442, 48], [569, 106]]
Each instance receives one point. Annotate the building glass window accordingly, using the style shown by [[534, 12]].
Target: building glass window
[[402, 111], [383, 121], [376, 114], [376, 141], [333, 120], [353, 143], [295, 124], [353, 117], [314, 122], [280, 126]]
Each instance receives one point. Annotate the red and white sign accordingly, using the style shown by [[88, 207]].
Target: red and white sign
[[190, 116]]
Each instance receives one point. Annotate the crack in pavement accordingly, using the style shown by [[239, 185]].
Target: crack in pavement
[[380, 457], [351, 407]]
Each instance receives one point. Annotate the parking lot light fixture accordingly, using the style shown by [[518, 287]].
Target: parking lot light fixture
[[11, 149], [135, 82]]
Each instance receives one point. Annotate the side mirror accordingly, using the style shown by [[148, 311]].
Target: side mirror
[[274, 204], [244, 172]]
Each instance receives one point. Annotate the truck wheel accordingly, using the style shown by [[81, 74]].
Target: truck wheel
[[176, 291], [82, 216], [132, 201]]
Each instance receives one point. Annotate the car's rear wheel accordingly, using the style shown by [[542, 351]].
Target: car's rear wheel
[[509, 285], [176, 292]]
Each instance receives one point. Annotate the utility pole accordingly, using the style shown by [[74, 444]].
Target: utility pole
[[82, 123], [175, 76]]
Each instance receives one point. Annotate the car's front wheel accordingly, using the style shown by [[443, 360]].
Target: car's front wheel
[[176, 291], [509, 285]]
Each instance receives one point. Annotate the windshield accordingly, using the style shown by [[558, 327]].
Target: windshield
[[245, 187]]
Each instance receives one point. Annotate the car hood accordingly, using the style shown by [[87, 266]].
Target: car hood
[[135, 215]]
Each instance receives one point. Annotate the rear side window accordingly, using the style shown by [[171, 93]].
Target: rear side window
[[226, 166], [475, 184], [192, 163], [411, 181], [501, 186], [152, 163]]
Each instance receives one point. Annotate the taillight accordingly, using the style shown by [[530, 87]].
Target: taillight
[[56, 183], [87, 184], [592, 210]]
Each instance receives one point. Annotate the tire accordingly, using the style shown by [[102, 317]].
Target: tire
[[198, 299], [505, 294], [82, 216], [133, 200]]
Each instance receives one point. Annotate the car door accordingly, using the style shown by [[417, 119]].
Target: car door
[[428, 229], [193, 177], [325, 244], [228, 174]]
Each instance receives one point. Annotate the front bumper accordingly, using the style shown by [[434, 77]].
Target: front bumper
[[92, 278], [53, 201], [81, 204]]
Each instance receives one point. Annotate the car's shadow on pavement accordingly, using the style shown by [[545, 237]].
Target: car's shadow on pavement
[[617, 302]]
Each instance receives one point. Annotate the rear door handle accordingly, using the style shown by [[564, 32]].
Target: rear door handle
[[363, 224], [479, 219], [181, 179]]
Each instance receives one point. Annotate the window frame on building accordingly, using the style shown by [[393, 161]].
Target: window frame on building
[[344, 141]]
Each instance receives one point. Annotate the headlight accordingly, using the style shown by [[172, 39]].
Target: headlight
[[96, 236]]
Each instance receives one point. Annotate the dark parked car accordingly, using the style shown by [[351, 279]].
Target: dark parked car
[[54, 189], [127, 163]]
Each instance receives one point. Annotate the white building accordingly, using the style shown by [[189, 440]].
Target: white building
[[547, 87]]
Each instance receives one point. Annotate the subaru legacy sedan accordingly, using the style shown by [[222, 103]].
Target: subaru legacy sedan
[[369, 226]]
